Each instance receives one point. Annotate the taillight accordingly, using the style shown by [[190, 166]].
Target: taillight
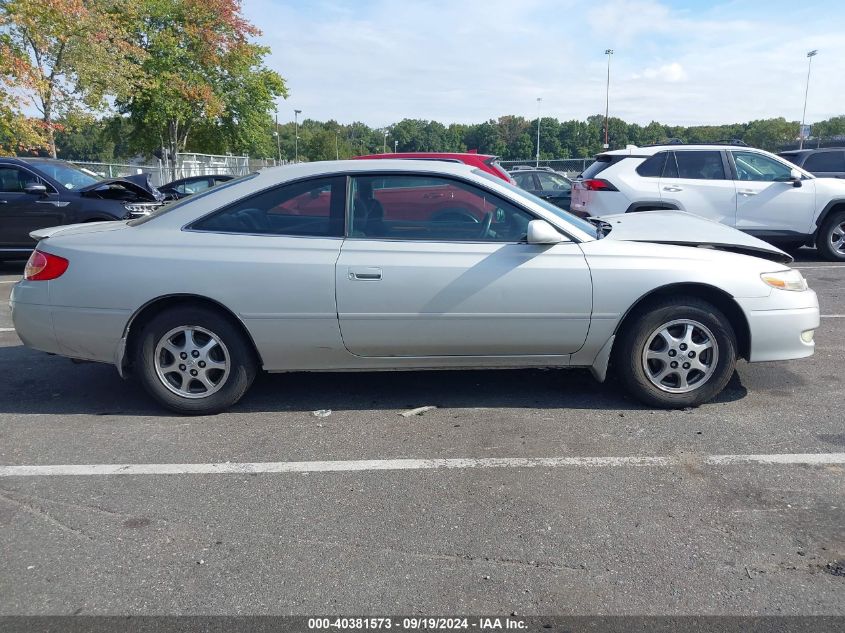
[[597, 184], [44, 266]]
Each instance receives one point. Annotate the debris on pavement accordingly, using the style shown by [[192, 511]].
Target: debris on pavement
[[417, 411], [321, 413]]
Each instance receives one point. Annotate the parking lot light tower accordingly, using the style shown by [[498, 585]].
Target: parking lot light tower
[[278, 140], [395, 147], [296, 114], [384, 144], [810, 55], [607, 52], [537, 160]]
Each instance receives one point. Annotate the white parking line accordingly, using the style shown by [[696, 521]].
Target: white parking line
[[240, 468], [833, 316], [816, 267], [7, 329]]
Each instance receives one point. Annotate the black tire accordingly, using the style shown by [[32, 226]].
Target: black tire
[[825, 237], [230, 388], [630, 348]]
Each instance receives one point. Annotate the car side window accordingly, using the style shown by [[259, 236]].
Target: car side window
[[753, 166], [526, 181], [313, 208], [434, 209], [194, 187], [652, 167], [696, 165], [553, 182], [14, 179], [826, 161]]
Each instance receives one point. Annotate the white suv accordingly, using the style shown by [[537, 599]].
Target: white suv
[[749, 189]]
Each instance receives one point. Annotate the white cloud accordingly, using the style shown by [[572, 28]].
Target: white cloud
[[670, 73], [380, 61]]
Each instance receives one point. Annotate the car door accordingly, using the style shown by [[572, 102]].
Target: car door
[[768, 202], [698, 181], [21, 211], [828, 163], [555, 188], [455, 287]]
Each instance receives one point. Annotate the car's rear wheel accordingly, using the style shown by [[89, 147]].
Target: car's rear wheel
[[194, 360], [678, 353], [830, 240]]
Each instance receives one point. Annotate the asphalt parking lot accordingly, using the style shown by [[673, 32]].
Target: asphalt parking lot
[[658, 523]]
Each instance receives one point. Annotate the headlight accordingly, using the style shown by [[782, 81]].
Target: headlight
[[785, 280]]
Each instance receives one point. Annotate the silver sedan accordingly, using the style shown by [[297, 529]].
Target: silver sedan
[[385, 265]]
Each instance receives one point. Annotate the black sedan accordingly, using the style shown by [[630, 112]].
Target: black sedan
[[545, 183], [39, 192], [194, 184]]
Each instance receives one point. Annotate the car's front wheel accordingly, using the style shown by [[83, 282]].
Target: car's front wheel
[[194, 360], [678, 353], [830, 240]]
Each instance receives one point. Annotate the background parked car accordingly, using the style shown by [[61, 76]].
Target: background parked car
[[485, 162], [747, 188], [826, 163], [194, 184], [546, 183], [41, 192]]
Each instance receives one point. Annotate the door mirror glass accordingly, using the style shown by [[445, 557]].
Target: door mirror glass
[[35, 188], [541, 232]]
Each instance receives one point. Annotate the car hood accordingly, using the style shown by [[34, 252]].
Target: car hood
[[138, 184], [685, 229]]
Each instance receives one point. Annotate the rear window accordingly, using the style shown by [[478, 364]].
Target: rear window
[[603, 161]]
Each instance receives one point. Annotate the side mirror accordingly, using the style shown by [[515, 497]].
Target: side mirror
[[795, 177], [35, 188], [541, 232]]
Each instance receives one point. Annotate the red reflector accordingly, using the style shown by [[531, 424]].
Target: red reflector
[[44, 266], [597, 184]]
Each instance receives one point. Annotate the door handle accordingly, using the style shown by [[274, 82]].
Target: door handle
[[672, 188], [747, 192], [4, 202], [365, 274]]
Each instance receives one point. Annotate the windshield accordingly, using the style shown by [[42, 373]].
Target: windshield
[[68, 175], [189, 199], [582, 225]]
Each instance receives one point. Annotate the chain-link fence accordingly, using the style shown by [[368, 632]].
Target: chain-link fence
[[569, 166], [186, 165]]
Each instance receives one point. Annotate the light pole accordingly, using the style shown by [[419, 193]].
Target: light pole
[[384, 145], [278, 140], [537, 159], [608, 52], [296, 114], [395, 147], [810, 55]]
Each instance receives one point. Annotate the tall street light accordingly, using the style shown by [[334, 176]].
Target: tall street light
[[537, 159], [384, 145], [278, 140], [395, 147], [296, 114], [810, 55], [607, 52]]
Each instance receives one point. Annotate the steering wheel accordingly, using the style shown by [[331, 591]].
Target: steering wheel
[[485, 225]]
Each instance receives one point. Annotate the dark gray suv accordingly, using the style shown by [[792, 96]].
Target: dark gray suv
[[826, 162]]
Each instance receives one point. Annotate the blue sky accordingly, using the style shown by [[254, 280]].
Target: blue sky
[[685, 63]]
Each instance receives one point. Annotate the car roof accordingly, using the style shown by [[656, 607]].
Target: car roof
[[633, 150], [402, 165]]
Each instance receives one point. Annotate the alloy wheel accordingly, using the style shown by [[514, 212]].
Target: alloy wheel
[[680, 356], [192, 361]]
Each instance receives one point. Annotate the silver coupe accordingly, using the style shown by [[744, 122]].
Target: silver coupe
[[397, 264]]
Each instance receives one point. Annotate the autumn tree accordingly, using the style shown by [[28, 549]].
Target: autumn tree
[[202, 70], [65, 55]]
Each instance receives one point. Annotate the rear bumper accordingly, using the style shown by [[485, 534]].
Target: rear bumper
[[83, 333], [776, 334]]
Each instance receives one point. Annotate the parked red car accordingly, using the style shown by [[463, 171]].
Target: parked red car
[[484, 162]]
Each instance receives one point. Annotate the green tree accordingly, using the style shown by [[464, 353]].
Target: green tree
[[201, 70], [67, 55]]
